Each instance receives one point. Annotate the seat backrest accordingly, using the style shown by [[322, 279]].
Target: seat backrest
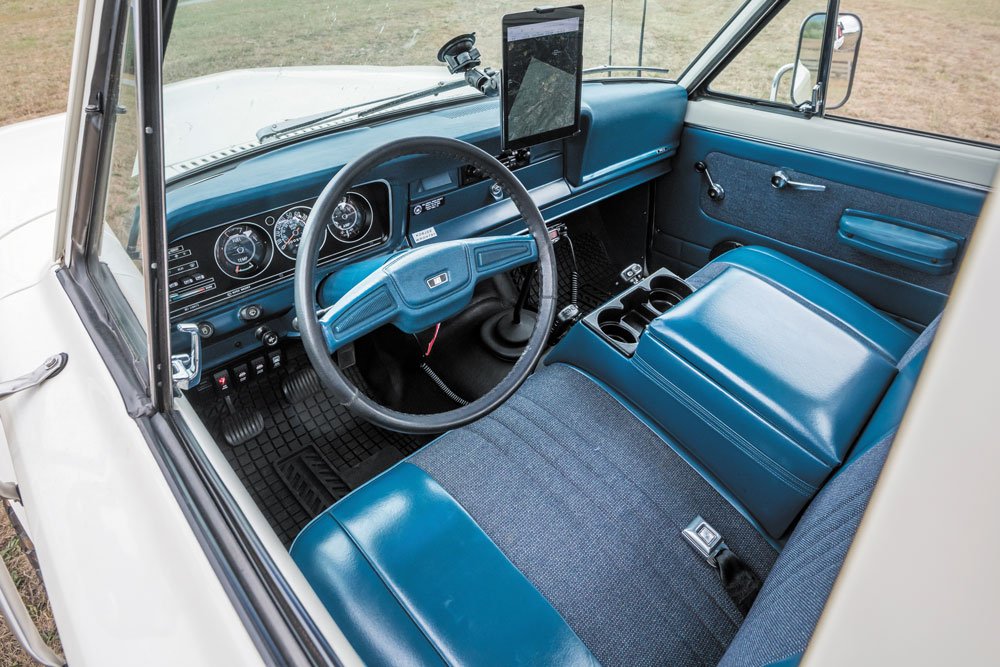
[[789, 605]]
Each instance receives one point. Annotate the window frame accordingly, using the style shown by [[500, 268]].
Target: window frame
[[274, 618], [703, 89]]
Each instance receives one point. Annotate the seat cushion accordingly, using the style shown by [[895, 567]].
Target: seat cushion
[[822, 294], [770, 372], [411, 579], [564, 486], [784, 616]]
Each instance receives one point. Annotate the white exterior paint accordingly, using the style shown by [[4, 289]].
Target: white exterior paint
[[214, 112], [917, 587], [127, 580]]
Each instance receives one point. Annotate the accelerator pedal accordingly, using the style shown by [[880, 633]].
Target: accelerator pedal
[[300, 385]]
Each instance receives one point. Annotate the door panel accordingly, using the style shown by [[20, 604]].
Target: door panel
[[806, 224]]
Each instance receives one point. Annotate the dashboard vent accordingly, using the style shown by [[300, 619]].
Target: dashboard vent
[[470, 110]]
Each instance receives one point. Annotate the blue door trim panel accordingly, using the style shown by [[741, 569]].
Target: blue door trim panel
[[440, 582], [686, 231]]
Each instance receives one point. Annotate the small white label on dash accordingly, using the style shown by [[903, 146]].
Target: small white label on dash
[[424, 235]]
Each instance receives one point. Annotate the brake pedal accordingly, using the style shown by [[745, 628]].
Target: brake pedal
[[240, 427]]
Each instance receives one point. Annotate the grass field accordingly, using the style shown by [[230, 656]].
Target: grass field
[[17, 557], [925, 64]]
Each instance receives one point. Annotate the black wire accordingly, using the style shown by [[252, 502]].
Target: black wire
[[574, 276]]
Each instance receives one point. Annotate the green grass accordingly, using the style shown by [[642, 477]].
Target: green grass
[[409, 32]]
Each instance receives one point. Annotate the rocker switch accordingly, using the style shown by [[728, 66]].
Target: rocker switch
[[242, 373], [258, 366], [222, 381]]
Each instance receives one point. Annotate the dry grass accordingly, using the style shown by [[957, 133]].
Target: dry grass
[[17, 555], [912, 72], [36, 44]]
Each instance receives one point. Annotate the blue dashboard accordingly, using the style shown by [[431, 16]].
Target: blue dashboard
[[233, 230]]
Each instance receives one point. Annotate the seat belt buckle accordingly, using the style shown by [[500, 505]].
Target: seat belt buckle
[[707, 541]]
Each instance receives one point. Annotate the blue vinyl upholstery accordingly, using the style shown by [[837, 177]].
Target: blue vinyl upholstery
[[771, 373], [549, 531], [411, 579]]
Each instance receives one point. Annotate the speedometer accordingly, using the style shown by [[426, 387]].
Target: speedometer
[[243, 250], [288, 230]]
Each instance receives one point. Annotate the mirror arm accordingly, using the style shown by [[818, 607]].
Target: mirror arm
[[776, 81]]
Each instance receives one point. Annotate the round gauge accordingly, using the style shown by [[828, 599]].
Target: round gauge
[[351, 219], [288, 230], [243, 251]]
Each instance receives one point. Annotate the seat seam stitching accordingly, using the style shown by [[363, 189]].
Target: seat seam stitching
[[391, 588], [747, 447], [557, 470], [666, 616], [840, 288]]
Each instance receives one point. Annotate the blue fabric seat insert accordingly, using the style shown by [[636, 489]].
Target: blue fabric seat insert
[[549, 531]]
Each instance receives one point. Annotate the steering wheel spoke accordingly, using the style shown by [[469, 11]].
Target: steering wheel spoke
[[415, 289], [363, 309]]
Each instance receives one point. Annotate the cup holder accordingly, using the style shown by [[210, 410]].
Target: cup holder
[[622, 320], [665, 292], [619, 333], [610, 322], [662, 300]]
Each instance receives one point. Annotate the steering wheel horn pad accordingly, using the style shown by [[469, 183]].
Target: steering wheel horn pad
[[417, 288]]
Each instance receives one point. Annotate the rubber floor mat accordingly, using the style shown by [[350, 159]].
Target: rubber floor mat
[[597, 277], [315, 423], [311, 479]]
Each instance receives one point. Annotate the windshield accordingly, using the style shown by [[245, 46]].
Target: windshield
[[233, 67]]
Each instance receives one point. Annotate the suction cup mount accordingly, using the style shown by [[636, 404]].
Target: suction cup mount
[[462, 57]]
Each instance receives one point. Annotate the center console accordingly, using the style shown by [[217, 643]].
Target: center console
[[763, 393]]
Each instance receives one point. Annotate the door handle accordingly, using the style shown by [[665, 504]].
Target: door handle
[[780, 180], [187, 366]]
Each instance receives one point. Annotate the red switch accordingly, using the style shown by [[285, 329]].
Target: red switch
[[221, 380]]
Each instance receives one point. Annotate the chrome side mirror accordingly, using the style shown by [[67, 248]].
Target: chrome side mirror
[[805, 69]]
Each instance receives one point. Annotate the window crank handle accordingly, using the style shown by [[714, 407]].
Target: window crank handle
[[715, 191]]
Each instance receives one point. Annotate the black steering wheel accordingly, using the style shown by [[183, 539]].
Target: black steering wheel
[[417, 288]]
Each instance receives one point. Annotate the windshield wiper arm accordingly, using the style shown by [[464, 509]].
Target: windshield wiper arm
[[624, 68], [284, 127]]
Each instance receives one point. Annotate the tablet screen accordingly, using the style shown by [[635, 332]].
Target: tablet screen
[[542, 66]]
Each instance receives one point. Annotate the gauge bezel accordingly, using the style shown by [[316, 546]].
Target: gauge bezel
[[274, 228], [368, 226], [263, 233]]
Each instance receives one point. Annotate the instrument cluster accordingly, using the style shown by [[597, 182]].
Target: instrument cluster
[[226, 261]]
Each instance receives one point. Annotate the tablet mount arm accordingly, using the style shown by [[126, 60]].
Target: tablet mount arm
[[462, 57]]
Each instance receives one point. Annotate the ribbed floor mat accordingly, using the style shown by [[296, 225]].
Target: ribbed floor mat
[[311, 479], [597, 276], [310, 453]]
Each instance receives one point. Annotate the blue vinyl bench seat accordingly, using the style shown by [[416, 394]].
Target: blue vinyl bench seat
[[549, 532]]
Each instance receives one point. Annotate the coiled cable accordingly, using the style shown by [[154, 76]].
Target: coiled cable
[[436, 379]]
